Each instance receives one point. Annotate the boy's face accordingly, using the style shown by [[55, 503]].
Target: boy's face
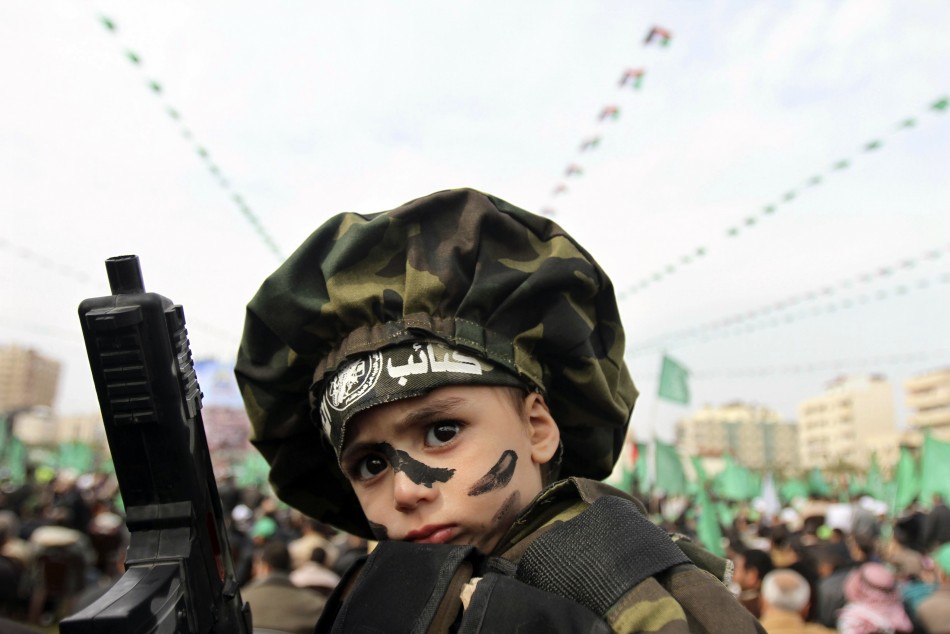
[[455, 466]]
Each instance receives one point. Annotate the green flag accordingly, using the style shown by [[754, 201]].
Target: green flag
[[625, 475], [699, 469], [726, 513], [817, 483], [698, 483], [640, 465], [15, 460], [791, 489], [253, 470], [707, 529], [934, 470], [674, 385], [855, 487], [736, 483], [76, 456], [874, 483], [907, 478], [670, 477], [4, 423]]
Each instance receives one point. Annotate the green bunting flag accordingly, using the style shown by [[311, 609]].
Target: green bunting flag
[[674, 385], [934, 470]]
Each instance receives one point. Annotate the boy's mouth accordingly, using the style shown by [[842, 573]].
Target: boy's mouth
[[431, 534]]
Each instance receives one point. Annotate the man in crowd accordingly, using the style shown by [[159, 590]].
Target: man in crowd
[[785, 598], [751, 567], [276, 603], [934, 612]]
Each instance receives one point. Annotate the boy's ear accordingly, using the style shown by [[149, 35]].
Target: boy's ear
[[542, 428]]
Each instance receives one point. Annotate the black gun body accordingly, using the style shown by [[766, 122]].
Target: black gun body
[[179, 574]]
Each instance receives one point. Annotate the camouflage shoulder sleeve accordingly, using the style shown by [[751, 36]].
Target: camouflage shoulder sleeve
[[706, 602], [648, 607], [684, 599]]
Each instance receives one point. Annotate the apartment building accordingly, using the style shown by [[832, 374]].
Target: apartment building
[[755, 436], [842, 426], [27, 378], [927, 397]]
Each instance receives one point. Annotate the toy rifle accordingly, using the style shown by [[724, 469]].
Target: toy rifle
[[179, 574]]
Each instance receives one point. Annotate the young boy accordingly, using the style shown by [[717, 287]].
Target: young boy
[[424, 376]]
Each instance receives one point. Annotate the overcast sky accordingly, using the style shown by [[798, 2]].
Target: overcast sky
[[307, 109]]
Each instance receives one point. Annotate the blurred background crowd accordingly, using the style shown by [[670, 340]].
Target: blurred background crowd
[[838, 560]]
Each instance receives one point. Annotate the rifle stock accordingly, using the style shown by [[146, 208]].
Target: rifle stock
[[179, 574]]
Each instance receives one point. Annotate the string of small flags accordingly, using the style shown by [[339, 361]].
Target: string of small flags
[[200, 149], [742, 325], [939, 106], [631, 79], [798, 300], [64, 269]]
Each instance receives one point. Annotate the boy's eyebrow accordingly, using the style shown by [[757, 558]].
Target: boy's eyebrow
[[433, 409], [430, 411]]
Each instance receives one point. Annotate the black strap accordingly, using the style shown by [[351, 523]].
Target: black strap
[[401, 587], [598, 556], [504, 604]]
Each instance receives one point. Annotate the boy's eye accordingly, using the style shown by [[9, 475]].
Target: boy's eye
[[370, 467], [442, 433]]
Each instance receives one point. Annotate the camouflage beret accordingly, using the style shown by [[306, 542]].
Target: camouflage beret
[[460, 267]]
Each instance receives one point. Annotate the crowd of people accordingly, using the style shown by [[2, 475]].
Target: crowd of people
[[62, 545], [870, 573], [63, 542]]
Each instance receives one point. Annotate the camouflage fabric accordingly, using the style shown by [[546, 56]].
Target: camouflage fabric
[[458, 266], [686, 598]]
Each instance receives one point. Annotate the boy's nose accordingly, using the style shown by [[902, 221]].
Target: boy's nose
[[408, 494]]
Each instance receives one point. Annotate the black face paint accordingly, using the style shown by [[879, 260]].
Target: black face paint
[[418, 472], [380, 532], [498, 476], [506, 506]]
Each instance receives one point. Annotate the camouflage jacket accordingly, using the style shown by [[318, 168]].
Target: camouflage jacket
[[580, 576], [685, 598]]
